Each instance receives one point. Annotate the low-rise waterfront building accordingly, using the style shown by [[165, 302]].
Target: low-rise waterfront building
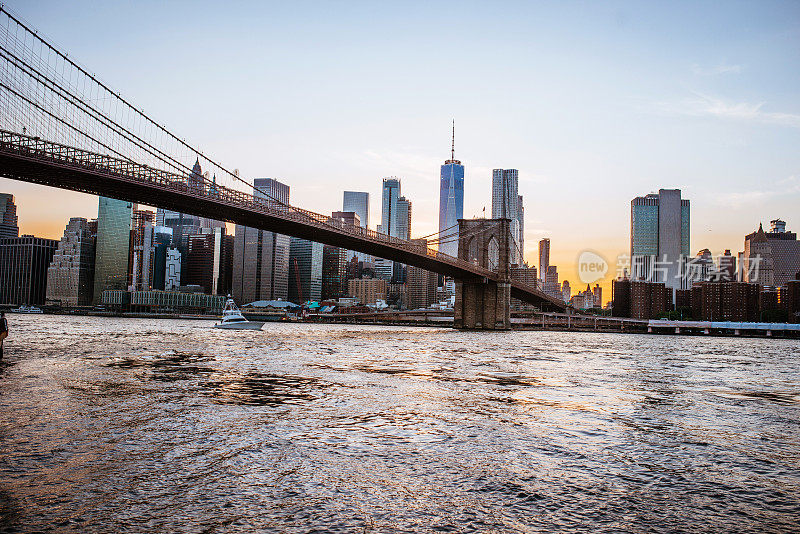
[[154, 301]]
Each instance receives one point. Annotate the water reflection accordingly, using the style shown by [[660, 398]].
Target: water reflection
[[116, 425], [262, 390]]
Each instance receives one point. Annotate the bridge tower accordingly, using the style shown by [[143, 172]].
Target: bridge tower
[[484, 304]]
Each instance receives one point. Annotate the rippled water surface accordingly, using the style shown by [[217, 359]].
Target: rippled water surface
[[130, 425]]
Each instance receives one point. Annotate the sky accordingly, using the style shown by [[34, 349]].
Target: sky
[[594, 103]]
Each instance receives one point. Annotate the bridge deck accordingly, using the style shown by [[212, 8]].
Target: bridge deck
[[35, 160]]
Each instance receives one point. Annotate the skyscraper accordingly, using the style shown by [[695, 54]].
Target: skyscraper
[[421, 284], [544, 257], [210, 261], [205, 223], [451, 198], [23, 269], [660, 237], [779, 253], [528, 276], [394, 224], [357, 202], [305, 270], [726, 265], [112, 251], [172, 269], [389, 196], [8, 216], [183, 225], [70, 277], [551, 285], [505, 205], [260, 257], [162, 241], [335, 260], [142, 250], [403, 218], [334, 272], [521, 222]]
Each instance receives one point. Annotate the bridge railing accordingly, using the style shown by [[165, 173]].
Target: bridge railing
[[203, 188]]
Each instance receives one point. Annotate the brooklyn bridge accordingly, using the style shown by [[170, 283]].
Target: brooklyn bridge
[[61, 126]]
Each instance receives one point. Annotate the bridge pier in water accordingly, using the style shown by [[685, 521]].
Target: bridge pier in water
[[484, 304]]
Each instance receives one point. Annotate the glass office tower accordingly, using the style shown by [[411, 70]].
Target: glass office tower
[[358, 202], [389, 196], [660, 237], [305, 271], [112, 251], [451, 203]]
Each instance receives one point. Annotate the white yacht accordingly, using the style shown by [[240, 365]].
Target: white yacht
[[26, 309], [232, 318]]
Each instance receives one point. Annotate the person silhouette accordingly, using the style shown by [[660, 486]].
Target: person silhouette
[[3, 331]]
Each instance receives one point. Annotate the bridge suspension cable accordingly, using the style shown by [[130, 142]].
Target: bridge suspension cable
[[67, 104]]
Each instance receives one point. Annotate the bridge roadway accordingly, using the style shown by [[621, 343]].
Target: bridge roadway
[[34, 160]]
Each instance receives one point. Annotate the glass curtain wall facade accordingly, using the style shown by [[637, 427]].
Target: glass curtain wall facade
[[389, 197], [358, 203], [403, 218], [113, 248], [305, 271], [451, 203], [660, 229]]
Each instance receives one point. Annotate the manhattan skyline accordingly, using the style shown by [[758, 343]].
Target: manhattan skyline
[[591, 117]]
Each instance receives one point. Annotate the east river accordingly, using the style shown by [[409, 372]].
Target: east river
[[133, 425]]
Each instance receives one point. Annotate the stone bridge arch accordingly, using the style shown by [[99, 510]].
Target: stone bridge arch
[[484, 304]]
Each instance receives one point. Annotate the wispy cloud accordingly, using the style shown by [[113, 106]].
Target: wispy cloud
[[701, 105], [739, 199], [716, 70], [404, 164]]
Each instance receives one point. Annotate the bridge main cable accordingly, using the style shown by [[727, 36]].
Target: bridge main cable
[[143, 115]]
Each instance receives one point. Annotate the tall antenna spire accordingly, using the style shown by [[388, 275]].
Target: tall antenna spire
[[453, 160], [453, 145]]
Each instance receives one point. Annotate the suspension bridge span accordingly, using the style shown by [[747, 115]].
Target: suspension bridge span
[[60, 126]]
